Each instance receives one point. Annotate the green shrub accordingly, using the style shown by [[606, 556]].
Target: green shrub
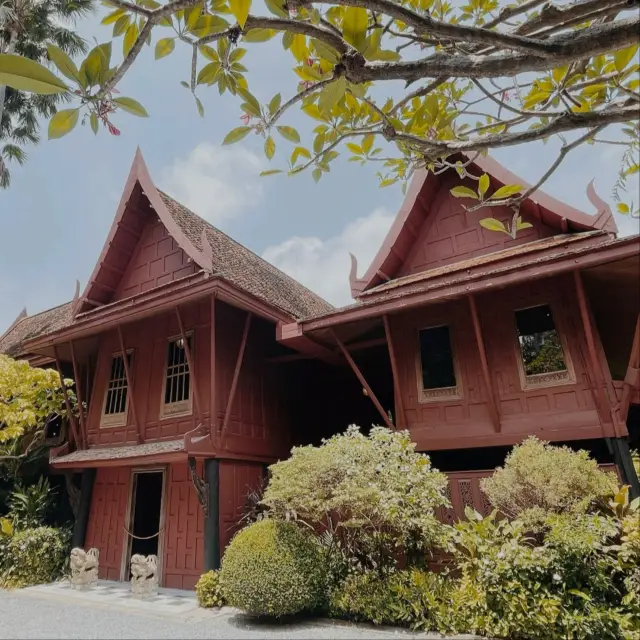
[[29, 504], [539, 479], [209, 590], [35, 556], [273, 568], [375, 492]]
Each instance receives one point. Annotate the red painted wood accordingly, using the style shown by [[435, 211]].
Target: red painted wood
[[183, 551], [236, 478], [107, 518]]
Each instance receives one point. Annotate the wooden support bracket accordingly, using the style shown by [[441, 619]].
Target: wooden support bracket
[[83, 423], [236, 372], [201, 487], [362, 380], [67, 402], [127, 373], [400, 416]]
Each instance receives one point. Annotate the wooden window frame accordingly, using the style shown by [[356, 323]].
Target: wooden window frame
[[443, 394], [184, 407], [111, 420], [537, 381]]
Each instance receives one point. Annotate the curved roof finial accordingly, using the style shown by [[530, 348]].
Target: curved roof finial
[[206, 250], [604, 215], [76, 299], [356, 285]]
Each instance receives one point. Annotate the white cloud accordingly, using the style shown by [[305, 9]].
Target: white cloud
[[323, 265], [215, 182]]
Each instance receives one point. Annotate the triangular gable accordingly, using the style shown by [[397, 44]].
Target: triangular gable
[[141, 220], [432, 228]]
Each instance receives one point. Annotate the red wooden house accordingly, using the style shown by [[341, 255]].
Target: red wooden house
[[200, 363]]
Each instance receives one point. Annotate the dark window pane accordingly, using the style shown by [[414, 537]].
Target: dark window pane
[[116, 400], [436, 358], [539, 341], [177, 373]]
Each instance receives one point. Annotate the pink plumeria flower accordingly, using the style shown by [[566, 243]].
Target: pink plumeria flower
[[245, 117]]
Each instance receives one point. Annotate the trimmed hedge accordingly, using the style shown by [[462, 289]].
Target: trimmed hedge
[[209, 590], [273, 568]]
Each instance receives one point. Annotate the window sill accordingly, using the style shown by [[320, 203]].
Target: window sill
[[444, 394], [543, 380], [109, 422]]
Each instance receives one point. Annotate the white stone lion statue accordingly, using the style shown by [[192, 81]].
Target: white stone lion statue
[[144, 575], [84, 567]]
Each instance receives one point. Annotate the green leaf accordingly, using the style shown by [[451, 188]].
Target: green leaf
[[235, 135], [164, 47], [277, 8], [622, 207], [269, 147], [206, 25], [493, 225], [355, 148], [506, 192], [64, 63], [209, 52], [129, 39], [317, 174], [332, 94], [318, 143], [132, 106], [23, 74], [114, 16], [354, 27], [367, 143], [254, 105], [463, 192], [274, 104], [237, 54], [93, 121], [297, 152], [299, 47], [121, 26], [325, 51], [200, 107], [483, 184], [623, 57], [208, 73], [62, 122], [240, 9], [522, 225], [258, 35], [289, 133], [270, 172]]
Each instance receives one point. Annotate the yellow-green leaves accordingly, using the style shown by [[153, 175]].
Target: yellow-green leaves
[[26, 75], [93, 121], [331, 95], [62, 122], [132, 106], [464, 192], [164, 47], [354, 27], [258, 35], [520, 224], [6, 528], [492, 224], [240, 9], [130, 38], [206, 25], [235, 135], [96, 65], [506, 192], [269, 147], [64, 63], [483, 185], [274, 104], [623, 57], [289, 133]]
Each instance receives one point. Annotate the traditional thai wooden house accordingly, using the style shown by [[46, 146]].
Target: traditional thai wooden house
[[199, 363]]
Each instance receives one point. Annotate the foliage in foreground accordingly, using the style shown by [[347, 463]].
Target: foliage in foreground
[[476, 76], [373, 493], [539, 479], [209, 590], [273, 568]]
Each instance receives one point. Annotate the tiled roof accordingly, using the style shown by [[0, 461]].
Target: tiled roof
[[244, 269], [119, 453], [39, 324]]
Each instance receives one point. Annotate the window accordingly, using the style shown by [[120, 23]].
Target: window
[[114, 412], [437, 367], [177, 383], [543, 357]]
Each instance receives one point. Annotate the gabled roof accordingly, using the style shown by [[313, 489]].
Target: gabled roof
[[415, 209]]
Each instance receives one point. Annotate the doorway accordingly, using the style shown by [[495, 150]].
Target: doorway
[[145, 516]]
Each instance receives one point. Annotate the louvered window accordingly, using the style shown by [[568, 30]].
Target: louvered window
[[177, 383], [114, 412]]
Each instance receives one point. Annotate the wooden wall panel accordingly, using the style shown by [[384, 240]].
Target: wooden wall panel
[[563, 412], [450, 234], [183, 551], [236, 478], [157, 260], [107, 518]]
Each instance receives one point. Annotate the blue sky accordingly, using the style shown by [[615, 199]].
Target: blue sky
[[55, 216]]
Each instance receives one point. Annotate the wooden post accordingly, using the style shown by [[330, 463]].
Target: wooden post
[[83, 425], [129, 378], [212, 519], [597, 378], [213, 400], [67, 402], [236, 372], [192, 370], [486, 373], [632, 377], [82, 519], [622, 457], [400, 417], [362, 380]]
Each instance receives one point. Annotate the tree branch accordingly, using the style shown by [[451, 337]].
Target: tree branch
[[299, 96]]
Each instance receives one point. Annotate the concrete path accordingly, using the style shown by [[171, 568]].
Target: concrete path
[[57, 611]]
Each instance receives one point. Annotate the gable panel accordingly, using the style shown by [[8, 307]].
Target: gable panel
[[156, 260], [450, 234]]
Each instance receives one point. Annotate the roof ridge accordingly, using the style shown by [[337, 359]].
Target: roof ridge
[[239, 244]]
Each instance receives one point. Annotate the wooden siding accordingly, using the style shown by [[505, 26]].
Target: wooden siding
[[450, 234], [236, 478], [561, 412], [107, 517], [157, 260]]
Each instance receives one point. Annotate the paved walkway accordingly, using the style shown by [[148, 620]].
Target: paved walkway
[[109, 611]]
